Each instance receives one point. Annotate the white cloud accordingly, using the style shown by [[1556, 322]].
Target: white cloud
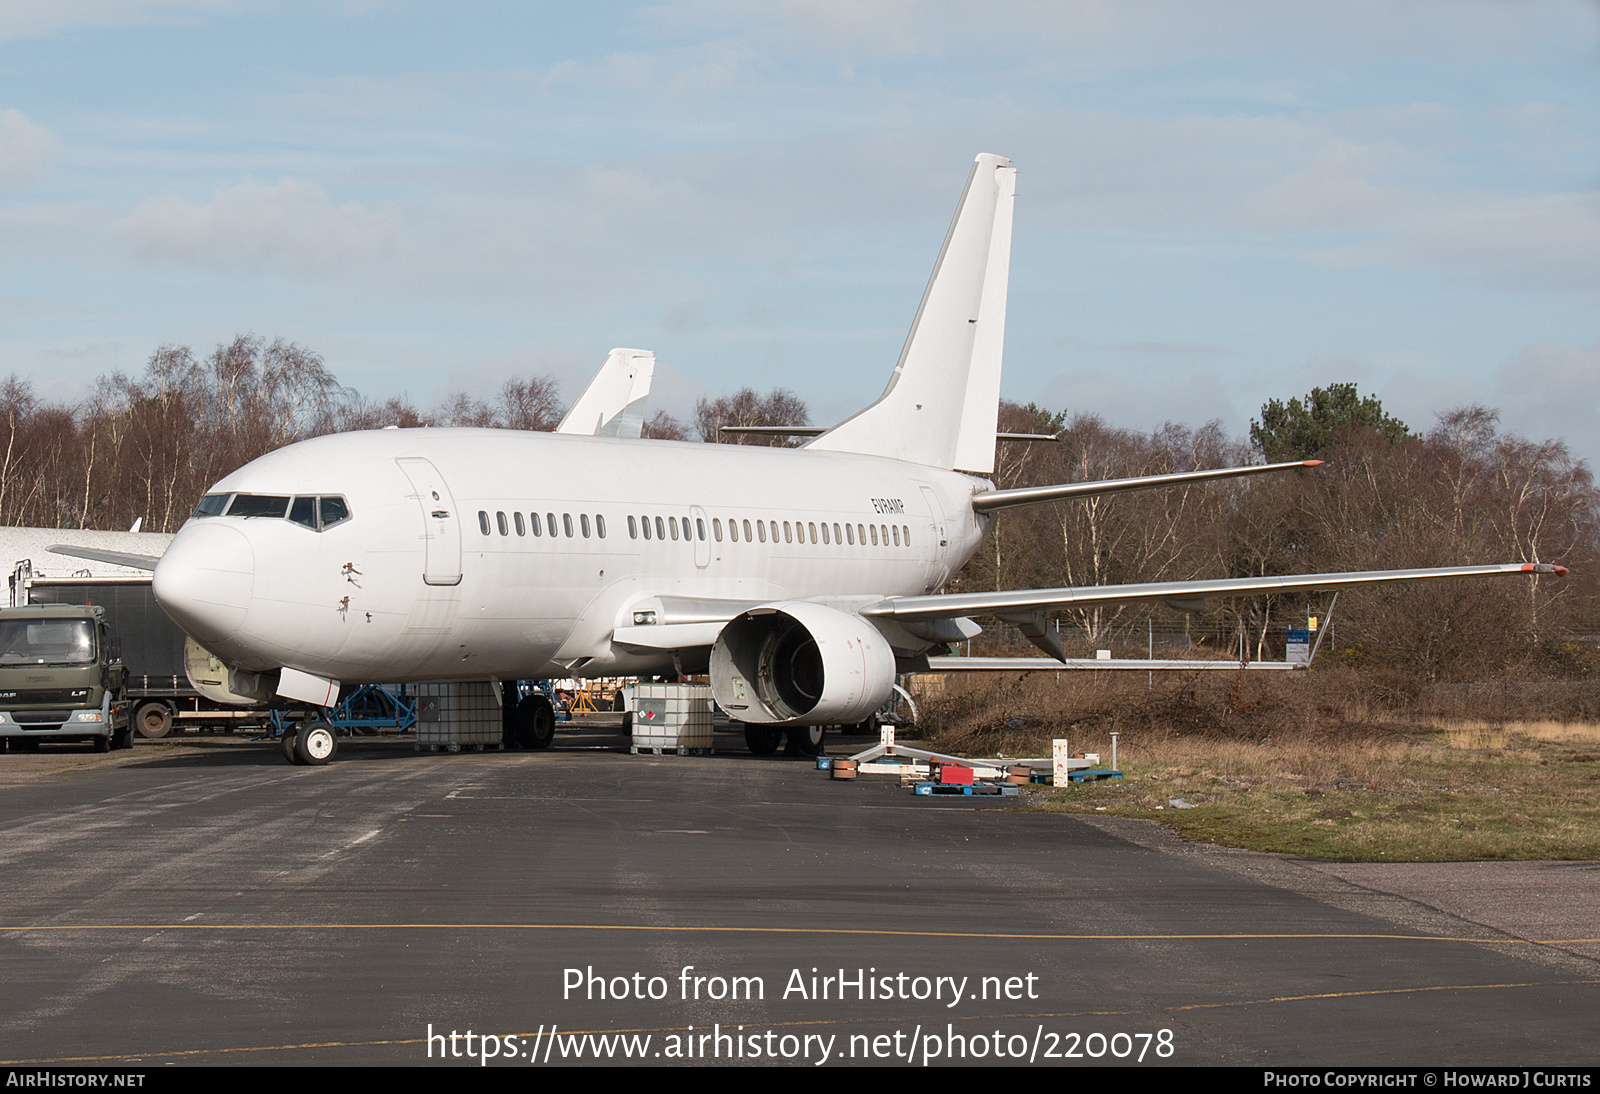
[[289, 227], [25, 149], [38, 18], [1553, 391]]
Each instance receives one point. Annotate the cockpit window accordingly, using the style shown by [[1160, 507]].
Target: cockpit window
[[212, 505], [304, 511], [311, 512], [334, 510], [258, 505]]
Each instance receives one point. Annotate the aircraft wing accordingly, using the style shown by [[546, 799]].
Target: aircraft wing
[[116, 558], [1188, 595]]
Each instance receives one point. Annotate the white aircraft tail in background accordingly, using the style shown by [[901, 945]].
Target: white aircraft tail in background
[[612, 405]]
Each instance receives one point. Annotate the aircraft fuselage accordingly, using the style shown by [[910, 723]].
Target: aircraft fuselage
[[438, 573]]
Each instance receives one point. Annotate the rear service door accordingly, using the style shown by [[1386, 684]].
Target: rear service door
[[441, 526]]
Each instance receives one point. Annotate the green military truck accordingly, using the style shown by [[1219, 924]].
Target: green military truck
[[61, 678]]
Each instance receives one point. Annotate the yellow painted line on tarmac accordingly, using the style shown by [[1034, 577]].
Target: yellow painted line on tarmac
[[832, 931], [536, 1037]]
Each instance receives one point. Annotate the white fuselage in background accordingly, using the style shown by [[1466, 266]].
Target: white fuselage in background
[[411, 587]]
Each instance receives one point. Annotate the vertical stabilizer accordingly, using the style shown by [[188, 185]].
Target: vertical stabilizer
[[943, 401], [613, 403]]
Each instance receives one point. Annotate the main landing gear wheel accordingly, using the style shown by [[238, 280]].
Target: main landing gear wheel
[[315, 744], [803, 741], [533, 723], [287, 741], [762, 740], [154, 720]]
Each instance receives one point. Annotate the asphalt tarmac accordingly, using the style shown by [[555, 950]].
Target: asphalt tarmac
[[208, 903]]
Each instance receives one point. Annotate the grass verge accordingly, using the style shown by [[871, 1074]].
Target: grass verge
[[1453, 793]]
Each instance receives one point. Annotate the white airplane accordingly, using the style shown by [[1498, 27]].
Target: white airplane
[[799, 579]]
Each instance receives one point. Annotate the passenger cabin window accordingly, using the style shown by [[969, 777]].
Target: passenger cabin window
[[500, 519], [700, 527], [566, 524], [483, 522], [517, 519], [600, 526], [633, 527], [536, 524], [583, 524], [716, 529], [646, 521]]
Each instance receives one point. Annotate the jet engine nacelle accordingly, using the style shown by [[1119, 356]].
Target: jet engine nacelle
[[801, 663]]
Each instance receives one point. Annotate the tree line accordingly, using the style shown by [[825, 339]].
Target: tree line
[[146, 447]]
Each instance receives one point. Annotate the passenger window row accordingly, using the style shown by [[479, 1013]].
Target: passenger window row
[[764, 531], [538, 525]]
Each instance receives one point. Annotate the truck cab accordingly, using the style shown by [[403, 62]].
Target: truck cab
[[61, 678]]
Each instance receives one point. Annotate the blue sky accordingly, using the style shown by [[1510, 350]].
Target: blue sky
[[1217, 203]]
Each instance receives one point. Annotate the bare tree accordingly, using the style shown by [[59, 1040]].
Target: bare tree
[[745, 407]]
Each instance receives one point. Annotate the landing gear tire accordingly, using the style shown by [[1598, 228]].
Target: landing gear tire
[[315, 744], [533, 723], [288, 742], [762, 740], [868, 727], [154, 720], [803, 741]]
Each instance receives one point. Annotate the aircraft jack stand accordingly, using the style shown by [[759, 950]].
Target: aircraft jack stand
[[888, 758]]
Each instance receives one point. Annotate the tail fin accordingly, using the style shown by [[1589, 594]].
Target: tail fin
[[943, 401], [613, 403]]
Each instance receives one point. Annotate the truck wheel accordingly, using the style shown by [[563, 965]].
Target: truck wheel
[[123, 738], [803, 741], [24, 744], [102, 744], [287, 742], [154, 720], [761, 740], [315, 744]]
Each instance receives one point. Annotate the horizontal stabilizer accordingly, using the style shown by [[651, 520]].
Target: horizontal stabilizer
[[1034, 495]]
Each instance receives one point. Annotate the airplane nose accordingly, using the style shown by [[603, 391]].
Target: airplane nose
[[205, 579]]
